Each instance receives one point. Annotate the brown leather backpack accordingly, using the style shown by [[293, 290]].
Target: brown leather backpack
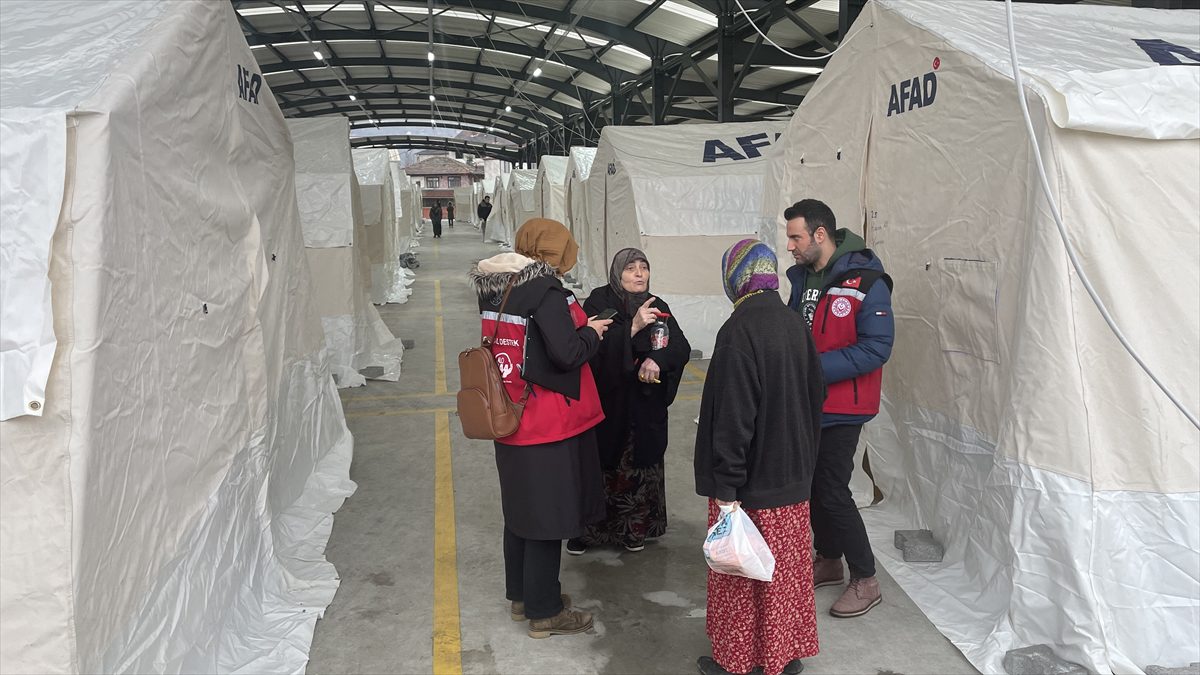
[[484, 408]]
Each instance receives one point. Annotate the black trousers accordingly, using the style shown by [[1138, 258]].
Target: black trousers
[[838, 529], [531, 574], [437, 227]]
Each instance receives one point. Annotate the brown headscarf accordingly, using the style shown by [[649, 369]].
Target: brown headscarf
[[549, 241]]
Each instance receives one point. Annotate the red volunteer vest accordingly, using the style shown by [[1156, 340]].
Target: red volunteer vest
[[549, 416], [835, 325]]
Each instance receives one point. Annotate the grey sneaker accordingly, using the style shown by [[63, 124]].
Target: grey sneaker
[[858, 598], [566, 622], [517, 610]]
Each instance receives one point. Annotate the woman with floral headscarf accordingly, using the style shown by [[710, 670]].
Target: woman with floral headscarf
[[636, 385], [756, 448], [550, 482]]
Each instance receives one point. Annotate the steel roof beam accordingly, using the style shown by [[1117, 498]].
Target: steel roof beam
[[589, 66], [436, 143], [562, 109], [515, 131]]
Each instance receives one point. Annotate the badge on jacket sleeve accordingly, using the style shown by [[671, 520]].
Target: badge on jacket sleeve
[[840, 308]]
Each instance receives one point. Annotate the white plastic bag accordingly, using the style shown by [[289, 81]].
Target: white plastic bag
[[735, 546]]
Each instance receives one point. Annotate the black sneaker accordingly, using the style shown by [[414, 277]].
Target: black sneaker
[[633, 546], [576, 546]]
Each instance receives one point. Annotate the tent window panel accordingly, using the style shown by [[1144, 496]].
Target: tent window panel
[[968, 322]]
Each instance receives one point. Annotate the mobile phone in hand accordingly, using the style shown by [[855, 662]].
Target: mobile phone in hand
[[606, 314]]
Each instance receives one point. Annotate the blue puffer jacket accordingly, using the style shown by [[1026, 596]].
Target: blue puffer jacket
[[853, 330]]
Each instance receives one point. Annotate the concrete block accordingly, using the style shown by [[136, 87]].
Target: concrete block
[[1039, 660], [408, 344], [1193, 669], [902, 535], [918, 546]]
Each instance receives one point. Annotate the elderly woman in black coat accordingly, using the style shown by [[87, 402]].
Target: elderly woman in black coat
[[637, 379]]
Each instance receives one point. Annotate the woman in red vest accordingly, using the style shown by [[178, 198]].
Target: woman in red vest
[[550, 481]]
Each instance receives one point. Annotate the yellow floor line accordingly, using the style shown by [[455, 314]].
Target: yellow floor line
[[695, 371], [439, 338], [447, 636], [351, 398], [392, 412]]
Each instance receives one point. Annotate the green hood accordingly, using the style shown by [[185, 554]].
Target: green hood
[[847, 242]]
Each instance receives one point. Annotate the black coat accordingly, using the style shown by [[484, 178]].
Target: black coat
[[760, 415], [626, 400], [435, 213], [484, 210]]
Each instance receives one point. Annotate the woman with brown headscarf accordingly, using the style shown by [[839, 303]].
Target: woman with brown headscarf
[[550, 481], [637, 379]]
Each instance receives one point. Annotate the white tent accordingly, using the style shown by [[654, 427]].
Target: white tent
[[166, 504], [520, 198], [409, 213], [464, 206], [399, 184], [499, 227], [683, 197], [579, 164], [389, 281], [1063, 483], [334, 233], [478, 191], [550, 187]]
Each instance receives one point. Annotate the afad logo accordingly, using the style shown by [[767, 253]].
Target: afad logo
[[716, 149], [249, 83], [918, 92]]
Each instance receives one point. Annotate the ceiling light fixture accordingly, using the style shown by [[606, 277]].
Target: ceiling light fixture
[[432, 97], [429, 55], [508, 108], [537, 72], [319, 55], [353, 97]]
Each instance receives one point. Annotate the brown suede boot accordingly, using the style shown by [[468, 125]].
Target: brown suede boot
[[827, 571], [518, 608], [858, 599], [567, 622]]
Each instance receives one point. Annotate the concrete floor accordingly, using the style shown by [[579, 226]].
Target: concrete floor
[[649, 606]]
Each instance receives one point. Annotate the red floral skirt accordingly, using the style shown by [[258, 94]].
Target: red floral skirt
[[754, 623]]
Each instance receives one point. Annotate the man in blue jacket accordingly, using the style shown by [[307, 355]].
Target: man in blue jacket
[[839, 286]]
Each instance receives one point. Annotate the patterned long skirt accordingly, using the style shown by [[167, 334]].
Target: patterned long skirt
[[755, 623], [636, 501]]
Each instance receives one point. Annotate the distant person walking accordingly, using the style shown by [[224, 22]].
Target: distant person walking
[[435, 217], [483, 211], [841, 290], [450, 213]]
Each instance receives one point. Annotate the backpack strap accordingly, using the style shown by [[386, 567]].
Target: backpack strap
[[486, 342]]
